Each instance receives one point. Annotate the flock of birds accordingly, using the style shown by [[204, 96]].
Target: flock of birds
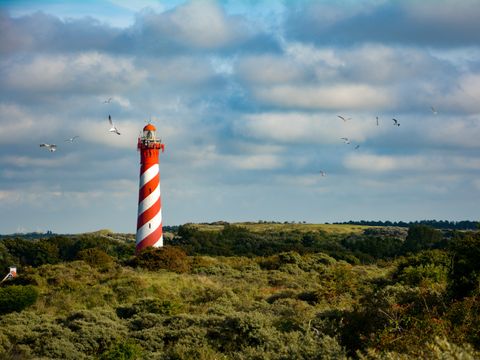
[[113, 129], [347, 140]]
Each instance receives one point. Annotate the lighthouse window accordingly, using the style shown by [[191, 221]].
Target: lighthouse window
[[149, 225], [150, 190]]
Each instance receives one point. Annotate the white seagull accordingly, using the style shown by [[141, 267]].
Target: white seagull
[[343, 118], [49, 147], [357, 146], [434, 111], [345, 140], [107, 101], [323, 173], [377, 120], [72, 139], [113, 128], [395, 122]]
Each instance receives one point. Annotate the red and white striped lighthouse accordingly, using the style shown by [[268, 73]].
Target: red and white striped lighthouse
[[149, 222]]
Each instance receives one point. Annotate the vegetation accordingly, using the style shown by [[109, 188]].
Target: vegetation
[[244, 292]]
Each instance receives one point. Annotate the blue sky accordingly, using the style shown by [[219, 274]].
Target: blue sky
[[246, 96]]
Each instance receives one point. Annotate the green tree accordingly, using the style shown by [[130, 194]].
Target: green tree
[[421, 237], [17, 298], [465, 271]]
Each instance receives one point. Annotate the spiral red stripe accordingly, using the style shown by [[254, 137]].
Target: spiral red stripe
[[147, 215], [148, 188], [154, 239]]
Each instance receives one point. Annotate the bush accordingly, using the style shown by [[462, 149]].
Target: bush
[[123, 351], [465, 272], [17, 298], [95, 257], [171, 258], [153, 306], [421, 237]]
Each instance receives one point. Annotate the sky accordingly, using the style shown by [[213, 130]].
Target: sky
[[246, 97]]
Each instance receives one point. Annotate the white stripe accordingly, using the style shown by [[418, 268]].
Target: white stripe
[[149, 174], [151, 199], [149, 227]]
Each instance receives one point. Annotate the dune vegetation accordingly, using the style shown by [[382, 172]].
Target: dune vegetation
[[245, 291]]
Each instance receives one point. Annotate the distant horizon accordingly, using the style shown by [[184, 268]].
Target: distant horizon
[[251, 222]]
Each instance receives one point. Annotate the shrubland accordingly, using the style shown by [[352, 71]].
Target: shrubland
[[239, 292]]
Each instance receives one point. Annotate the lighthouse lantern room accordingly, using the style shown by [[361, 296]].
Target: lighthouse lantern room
[[149, 220]]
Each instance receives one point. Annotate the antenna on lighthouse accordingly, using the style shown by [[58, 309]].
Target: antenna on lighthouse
[[149, 220]]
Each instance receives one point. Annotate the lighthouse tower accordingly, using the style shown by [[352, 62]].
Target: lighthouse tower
[[149, 222]]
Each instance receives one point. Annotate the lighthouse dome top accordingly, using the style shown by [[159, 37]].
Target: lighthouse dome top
[[149, 127]]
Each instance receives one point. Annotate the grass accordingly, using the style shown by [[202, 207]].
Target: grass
[[334, 229]]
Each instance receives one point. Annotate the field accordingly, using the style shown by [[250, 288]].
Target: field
[[87, 296]]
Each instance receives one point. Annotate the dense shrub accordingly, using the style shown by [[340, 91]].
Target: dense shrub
[[150, 305], [171, 258], [124, 350], [17, 298], [95, 257], [421, 237], [426, 267], [465, 271]]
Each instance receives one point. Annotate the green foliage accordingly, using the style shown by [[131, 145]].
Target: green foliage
[[465, 271], [421, 237], [124, 350], [376, 246], [428, 267], [171, 258], [149, 305], [95, 257], [17, 298], [298, 300]]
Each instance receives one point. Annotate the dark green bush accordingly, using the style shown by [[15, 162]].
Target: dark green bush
[[125, 350], [465, 271], [171, 258], [17, 298], [151, 305], [421, 237], [95, 257]]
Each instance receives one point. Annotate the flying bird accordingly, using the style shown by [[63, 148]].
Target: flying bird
[[107, 101], [72, 139], [343, 118], [345, 140], [395, 122], [356, 147], [323, 173], [377, 120], [113, 127], [49, 147], [434, 111]]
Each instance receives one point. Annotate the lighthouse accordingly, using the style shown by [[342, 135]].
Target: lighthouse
[[149, 221]]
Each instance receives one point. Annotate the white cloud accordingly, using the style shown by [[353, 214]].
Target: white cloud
[[297, 127], [453, 131], [269, 69], [195, 24], [447, 165], [466, 95], [180, 70], [335, 96], [386, 163], [256, 162], [93, 72]]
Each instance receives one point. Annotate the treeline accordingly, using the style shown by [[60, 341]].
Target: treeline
[[437, 224], [371, 245], [60, 248]]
